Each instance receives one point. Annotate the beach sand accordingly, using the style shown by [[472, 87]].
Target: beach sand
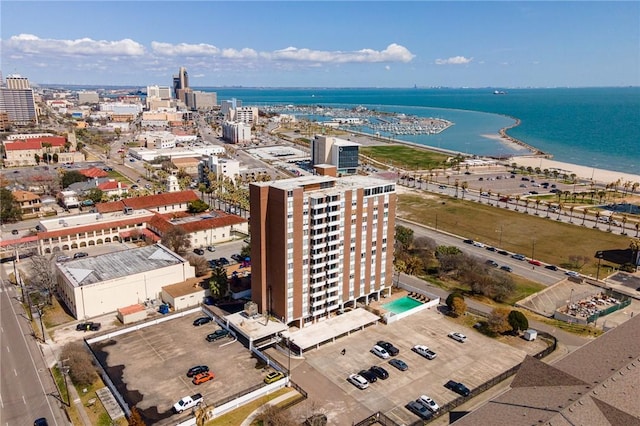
[[582, 172]]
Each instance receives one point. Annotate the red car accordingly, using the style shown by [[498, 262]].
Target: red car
[[203, 377], [535, 262]]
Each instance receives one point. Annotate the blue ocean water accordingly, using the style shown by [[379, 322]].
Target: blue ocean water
[[596, 127]]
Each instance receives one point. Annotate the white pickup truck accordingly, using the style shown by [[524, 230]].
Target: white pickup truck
[[187, 402]]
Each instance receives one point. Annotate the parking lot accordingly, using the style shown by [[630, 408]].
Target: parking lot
[[474, 362], [149, 366]]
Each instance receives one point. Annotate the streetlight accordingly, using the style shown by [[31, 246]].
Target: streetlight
[[599, 255], [65, 370]]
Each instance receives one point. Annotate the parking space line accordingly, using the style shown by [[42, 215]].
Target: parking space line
[[152, 347]]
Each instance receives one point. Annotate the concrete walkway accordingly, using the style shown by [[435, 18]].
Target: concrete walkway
[[251, 417]]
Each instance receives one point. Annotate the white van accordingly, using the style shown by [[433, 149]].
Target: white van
[[380, 351]]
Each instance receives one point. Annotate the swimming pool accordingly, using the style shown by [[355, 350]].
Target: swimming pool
[[401, 305]]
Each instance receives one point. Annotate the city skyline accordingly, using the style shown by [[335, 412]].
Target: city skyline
[[323, 44]]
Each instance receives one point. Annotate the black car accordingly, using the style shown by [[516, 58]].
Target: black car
[[15, 232], [419, 410], [552, 267], [218, 334], [503, 252], [193, 371], [369, 375], [490, 248], [201, 321], [237, 257], [40, 422], [88, 326], [506, 268], [80, 254], [492, 263], [198, 251], [393, 351], [467, 241], [223, 261], [457, 387], [213, 263], [380, 372]]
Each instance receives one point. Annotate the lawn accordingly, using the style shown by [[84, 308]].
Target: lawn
[[238, 415], [533, 236], [405, 157]]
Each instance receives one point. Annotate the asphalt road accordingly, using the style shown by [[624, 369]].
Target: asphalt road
[[27, 391]]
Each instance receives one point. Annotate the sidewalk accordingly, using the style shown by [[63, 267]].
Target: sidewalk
[[51, 359], [292, 393]]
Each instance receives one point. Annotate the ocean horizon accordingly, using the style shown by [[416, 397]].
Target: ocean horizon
[[593, 126]]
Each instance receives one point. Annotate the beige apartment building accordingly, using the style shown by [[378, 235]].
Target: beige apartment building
[[320, 243]]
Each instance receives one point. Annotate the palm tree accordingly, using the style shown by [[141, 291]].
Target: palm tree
[[456, 184], [595, 225], [489, 197], [637, 225], [571, 213], [464, 186], [560, 207], [517, 202], [584, 215], [537, 205], [479, 194], [624, 225]]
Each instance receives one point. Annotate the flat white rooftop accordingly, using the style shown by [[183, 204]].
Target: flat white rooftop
[[90, 219]]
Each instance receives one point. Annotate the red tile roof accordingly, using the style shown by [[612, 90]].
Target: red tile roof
[[35, 143], [163, 223], [93, 172], [111, 185], [149, 201], [93, 227]]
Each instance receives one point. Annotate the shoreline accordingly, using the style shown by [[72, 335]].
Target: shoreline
[[504, 135], [584, 173]]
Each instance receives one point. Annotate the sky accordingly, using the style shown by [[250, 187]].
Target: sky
[[323, 43]]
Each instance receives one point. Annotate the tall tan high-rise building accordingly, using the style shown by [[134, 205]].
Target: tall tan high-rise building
[[320, 243], [18, 101], [181, 84]]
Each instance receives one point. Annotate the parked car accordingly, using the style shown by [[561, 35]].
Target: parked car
[[424, 351], [223, 261], [490, 248], [573, 274], [237, 257], [213, 263], [198, 369], [380, 351], [478, 244], [503, 252], [457, 387], [88, 326], [419, 410], [429, 403], [506, 268], [492, 263], [467, 241], [535, 262], [41, 422], [399, 364], [218, 334], [80, 254], [552, 267], [198, 379], [459, 337], [211, 248], [14, 232], [393, 351], [380, 372], [518, 256], [369, 375], [201, 321], [62, 258], [274, 376], [358, 381], [198, 251]]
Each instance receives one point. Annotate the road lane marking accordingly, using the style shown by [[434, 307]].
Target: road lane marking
[[8, 350], [15, 372], [25, 401]]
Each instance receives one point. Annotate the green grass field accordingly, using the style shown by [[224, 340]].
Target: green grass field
[[533, 236], [405, 157]]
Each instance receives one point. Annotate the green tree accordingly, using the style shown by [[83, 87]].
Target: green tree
[[404, 237], [219, 283], [245, 251], [95, 195], [518, 321], [10, 210], [70, 177], [197, 206]]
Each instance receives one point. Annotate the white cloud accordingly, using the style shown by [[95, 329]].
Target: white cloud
[[245, 53], [454, 60], [393, 53], [183, 49], [29, 44]]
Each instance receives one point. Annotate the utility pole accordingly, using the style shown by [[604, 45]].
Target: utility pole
[[65, 370]]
